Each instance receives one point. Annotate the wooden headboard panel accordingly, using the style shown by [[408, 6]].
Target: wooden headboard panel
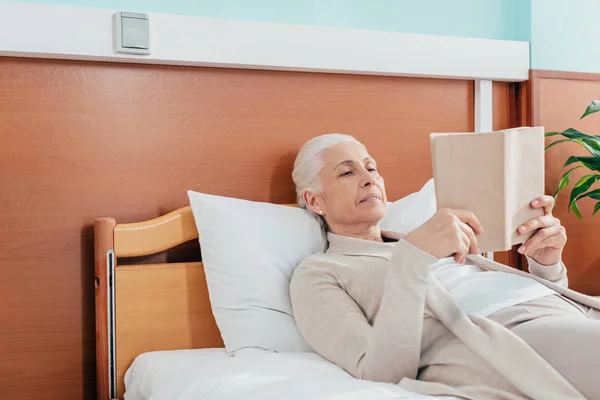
[[81, 140], [558, 99]]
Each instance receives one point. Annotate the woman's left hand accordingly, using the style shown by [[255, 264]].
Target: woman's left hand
[[546, 245]]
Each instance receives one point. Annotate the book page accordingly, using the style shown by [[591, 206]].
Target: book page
[[526, 176]]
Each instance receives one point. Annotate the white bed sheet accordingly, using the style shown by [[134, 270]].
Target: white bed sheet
[[211, 374]]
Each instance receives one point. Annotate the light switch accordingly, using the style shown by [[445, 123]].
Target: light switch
[[131, 33]]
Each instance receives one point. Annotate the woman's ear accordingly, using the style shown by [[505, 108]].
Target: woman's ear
[[313, 202]]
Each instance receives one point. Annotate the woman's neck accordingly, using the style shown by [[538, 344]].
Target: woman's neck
[[364, 232]]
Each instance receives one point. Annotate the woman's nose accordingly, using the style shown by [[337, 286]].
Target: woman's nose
[[369, 180]]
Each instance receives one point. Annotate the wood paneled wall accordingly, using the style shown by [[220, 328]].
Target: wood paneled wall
[[84, 140], [557, 101], [507, 113]]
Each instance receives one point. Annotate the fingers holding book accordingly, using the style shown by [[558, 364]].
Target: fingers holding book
[[545, 202], [544, 221], [466, 217], [468, 245], [546, 245], [448, 233]]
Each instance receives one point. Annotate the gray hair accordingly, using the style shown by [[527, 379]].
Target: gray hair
[[309, 163]]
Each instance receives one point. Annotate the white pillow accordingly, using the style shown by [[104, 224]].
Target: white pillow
[[250, 250], [411, 211]]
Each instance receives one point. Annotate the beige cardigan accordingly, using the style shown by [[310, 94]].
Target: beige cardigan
[[375, 310]]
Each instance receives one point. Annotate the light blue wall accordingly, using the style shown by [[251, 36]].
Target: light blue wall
[[523, 21], [490, 19], [565, 35]]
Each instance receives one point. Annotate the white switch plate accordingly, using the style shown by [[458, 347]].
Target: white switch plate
[[131, 32]]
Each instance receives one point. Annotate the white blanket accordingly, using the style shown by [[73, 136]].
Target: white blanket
[[249, 375]]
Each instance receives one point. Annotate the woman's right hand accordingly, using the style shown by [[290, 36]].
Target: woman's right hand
[[448, 233]]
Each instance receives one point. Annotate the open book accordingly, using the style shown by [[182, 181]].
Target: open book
[[495, 175]]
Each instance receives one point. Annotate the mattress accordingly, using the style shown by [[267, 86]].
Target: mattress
[[212, 374]]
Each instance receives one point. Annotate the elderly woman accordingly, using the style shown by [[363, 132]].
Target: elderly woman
[[422, 309]]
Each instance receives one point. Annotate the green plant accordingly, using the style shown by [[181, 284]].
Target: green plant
[[592, 162]]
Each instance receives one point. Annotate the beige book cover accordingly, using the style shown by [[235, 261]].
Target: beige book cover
[[495, 175]]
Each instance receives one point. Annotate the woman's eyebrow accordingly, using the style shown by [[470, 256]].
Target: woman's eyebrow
[[346, 162], [351, 162]]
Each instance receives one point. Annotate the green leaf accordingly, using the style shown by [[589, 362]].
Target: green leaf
[[582, 186], [575, 134], [593, 194], [572, 133], [590, 142], [571, 160], [564, 181], [593, 107], [593, 141], [590, 162], [555, 143], [576, 210], [592, 146], [587, 181]]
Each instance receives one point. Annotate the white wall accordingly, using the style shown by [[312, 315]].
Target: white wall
[[41, 30]]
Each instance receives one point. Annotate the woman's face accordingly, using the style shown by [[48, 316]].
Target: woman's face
[[352, 191]]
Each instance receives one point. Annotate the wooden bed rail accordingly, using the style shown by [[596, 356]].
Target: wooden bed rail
[[156, 235], [103, 247]]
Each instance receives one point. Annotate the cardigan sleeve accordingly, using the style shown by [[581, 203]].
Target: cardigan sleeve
[[556, 273], [335, 326]]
